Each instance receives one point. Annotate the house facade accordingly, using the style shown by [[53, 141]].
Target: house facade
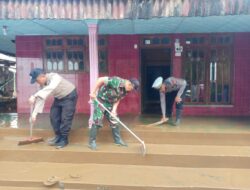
[[154, 38]]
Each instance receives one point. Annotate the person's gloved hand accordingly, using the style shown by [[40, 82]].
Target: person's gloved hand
[[32, 100]]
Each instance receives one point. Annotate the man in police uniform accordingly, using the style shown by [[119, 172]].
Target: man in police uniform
[[177, 89], [64, 105], [109, 91]]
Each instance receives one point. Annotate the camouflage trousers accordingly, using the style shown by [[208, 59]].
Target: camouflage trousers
[[99, 114]]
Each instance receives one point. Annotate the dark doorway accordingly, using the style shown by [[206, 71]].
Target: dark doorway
[[154, 62]]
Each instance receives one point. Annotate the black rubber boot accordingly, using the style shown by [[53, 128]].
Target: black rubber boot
[[178, 117], [92, 137], [54, 140], [117, 137], [170, 121], [63, 142]]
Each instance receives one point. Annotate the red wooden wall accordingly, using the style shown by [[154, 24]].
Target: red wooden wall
[[29, 52], [124, 61]]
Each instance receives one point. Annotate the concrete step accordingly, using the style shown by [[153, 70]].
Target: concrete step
[[28, 188], [152, 135], [121, 177], [205, 155], [157, 154]]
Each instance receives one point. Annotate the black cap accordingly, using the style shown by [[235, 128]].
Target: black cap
[[135, 83], [34, 73]]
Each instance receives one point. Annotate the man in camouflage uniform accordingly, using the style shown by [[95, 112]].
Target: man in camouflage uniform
[[176, 88], [110, 91]]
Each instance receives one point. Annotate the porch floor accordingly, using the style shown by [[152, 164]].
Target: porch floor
[[203, 153], [189, 124]]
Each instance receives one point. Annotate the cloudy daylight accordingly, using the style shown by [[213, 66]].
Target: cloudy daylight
[[124, 94]]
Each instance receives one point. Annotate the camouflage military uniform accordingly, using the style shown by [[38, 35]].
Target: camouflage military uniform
[[109, 94]]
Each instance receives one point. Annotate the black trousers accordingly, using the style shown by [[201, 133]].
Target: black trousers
[[62, 113], [170, 99]]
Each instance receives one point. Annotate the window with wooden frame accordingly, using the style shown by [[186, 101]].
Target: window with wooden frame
[[103, 54], [194, 69], [65, 54], [154, 41], [207, 67], [220, 69]]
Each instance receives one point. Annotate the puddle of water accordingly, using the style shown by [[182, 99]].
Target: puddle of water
[[15, 120], [204, 124], [8, 120]]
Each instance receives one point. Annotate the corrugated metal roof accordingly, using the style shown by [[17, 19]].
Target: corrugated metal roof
[[119, 9], [167, 25]]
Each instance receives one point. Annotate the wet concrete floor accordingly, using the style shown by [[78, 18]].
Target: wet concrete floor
[[199, 124], [24, 172]]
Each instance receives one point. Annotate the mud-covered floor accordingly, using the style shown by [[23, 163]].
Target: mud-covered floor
[[199, 124], [211, 152]]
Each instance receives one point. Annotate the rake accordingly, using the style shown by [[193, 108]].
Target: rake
[[143, 146]]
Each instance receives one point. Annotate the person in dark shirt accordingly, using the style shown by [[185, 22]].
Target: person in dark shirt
[[177, 89]]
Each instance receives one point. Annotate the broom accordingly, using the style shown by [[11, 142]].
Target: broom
[[31, 139]]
